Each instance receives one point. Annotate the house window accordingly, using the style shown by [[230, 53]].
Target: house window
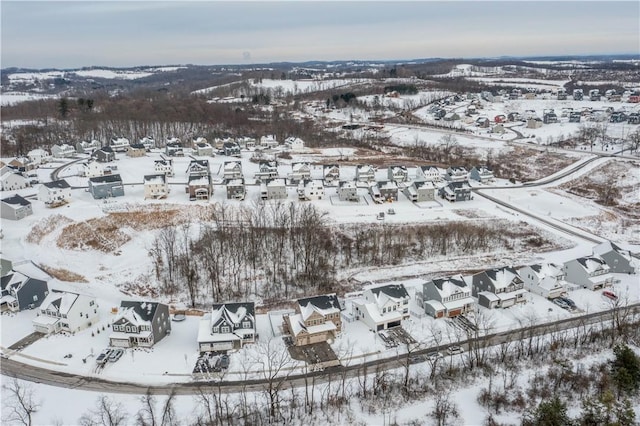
[[216, 329], [128, 329], [246, 324], [226, 329], [35, 297]]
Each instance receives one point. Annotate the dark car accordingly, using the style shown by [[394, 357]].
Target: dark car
[[104, 355], [224, 361]]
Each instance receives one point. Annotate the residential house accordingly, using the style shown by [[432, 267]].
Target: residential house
[[148, 142], [317, 319], [119, 144], [246, 142], [199, 187], [92, 168], [198, 168], [273, 189], [300, 171], [66, 311], [21, 164], [550, 118], [106, 186], [13, 181], [269, 141], [546, 279], [38, 156], [202, 148], [633, 118], [534, 123], [19, 292], [87, 147], [451, 116], [498, 287], [348, 191], [483, 122], [388, 190], [5, 266], [174, 148], [294, 144], [232, 170], [365, 173], [456, 174], [310, 189], [420, 191], [155, 186], [481, 173], [63, 151], [428, 173], [456, 191], [374, 192], [228, 326], [578, 94], [575, 116], [137, 150], [15, 208], [397, 174], [382, 307], [618, 259], [140, 324], [590, 272], [236, 189], [331, 173], [267, 170], [446, 297], [231, 149], [55, 193], [104, 154], [164, 166]]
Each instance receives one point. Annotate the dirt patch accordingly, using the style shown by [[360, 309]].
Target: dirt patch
[[64, 274], [45, 227], [525, 164]]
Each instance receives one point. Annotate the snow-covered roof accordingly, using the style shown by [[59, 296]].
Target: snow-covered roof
[[234, 313], [323, 304], [593, 264], [608, 246], [155, 179], [383, 294], [59, 301], [297, 326], [451, 285], [503, 277]]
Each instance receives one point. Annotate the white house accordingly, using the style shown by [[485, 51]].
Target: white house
[[232, 170], [55, 193], [12, 181], [311, 189], [66, 311], [119, 144], [84, 147], [295, 144], [382, 307], [202, 148], [63, 151], [365, 173], [164, 166], [38, 156], [92, 168], [300, 171], [155, 186], [547, 279], [269, 141]]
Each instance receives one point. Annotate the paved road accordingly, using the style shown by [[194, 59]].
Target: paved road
[[31, 373]]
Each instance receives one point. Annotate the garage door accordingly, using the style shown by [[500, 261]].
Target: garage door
[[455, 312], [393, 324]]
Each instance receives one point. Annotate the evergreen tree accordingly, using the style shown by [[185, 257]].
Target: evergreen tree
[[63, 107], [549, 413], [625, 369]]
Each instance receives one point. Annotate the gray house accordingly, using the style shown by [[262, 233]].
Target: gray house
[[348, 191], [498, 287], [456, 174], [456, 191], [447, 297], [15, 208], [481, 173], [273, 189], [104, 154], [140, 324], [388, 190], [236, 189], [331, 172], [397, 174], [591, 272], [365, 173], [229, 326], [420, 191], [618, 259], [19, 292], [106, 186], [231, 149]]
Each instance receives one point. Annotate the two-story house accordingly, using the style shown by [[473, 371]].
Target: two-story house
[[236, 189], [397, 174], [331, 173], [202, 148], [106, 186], [15, 208], [66, 311], [456, 174], [92, 168], [498, 287], [139, 323], [87, 147], [199, 184], [481, 173], [618, 259], [228, 326], [382, 307], [63, 151], [317, 319], [428, 173], [231, 149], [19, 292], [300, 171], [456, 191], [174, 148], [273, 189], [232, 170], [590, 272], [447, 297], [104, 155], [310, 189], [12, 181], [365, 173], [267, 170], [55, 193], [119, 144], [546, 279], [164, 166], [155, 186], [137, 150], [348, 191], [420, 191]]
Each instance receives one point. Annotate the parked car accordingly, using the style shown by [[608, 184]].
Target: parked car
[[104, 355], [569, 302], [416, 359], [453, 350], [115, 355], [433, 355], [380, 216], [391, 211], [610, 295], [558, 301], [224, 361]]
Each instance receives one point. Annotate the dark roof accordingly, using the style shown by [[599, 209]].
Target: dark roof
[[536, 268], [5, 280], [137, 146], [16, 199], [325, 301], [60, 184], [145, 310], [392, 290], [492, 273], [230, 145], [233, 307], [203, 163], [106, 149], [583, 260], [459, 185], [106, 179], [157, 175], [439, 281]]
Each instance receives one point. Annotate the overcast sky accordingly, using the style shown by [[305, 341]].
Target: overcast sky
[[121, 34]]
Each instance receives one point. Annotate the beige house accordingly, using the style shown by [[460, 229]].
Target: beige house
[[155, 186], [317, 319]]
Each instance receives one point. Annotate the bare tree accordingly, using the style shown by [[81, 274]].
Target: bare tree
[[444, 410], [106, 413], [19, 403]]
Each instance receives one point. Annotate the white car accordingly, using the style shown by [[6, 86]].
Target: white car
[[453, 350]]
